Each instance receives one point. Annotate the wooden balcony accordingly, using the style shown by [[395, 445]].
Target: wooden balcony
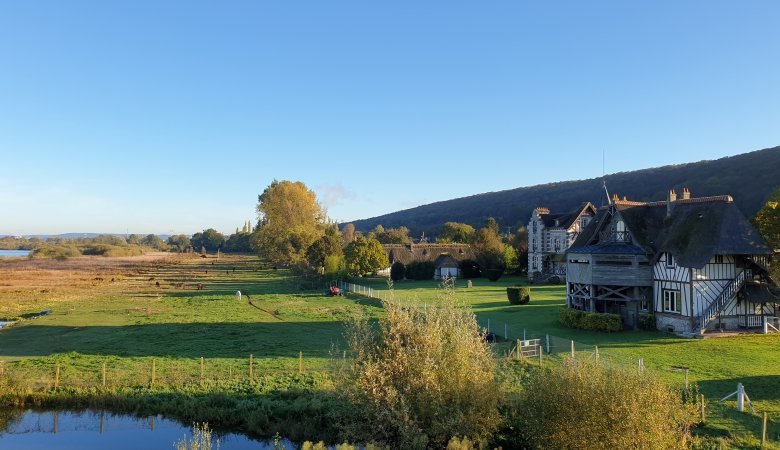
[[615, 236]]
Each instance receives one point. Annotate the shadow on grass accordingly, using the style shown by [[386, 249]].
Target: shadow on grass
[[185, 340], [758, 388]]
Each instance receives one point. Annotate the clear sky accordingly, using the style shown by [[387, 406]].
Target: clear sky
[[171, 117]]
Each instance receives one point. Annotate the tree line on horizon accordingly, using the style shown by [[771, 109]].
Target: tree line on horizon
[[294, 231]]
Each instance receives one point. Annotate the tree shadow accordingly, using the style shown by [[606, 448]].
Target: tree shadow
[[184, 340]]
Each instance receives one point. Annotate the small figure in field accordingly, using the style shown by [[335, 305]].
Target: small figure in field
[[238, 295], [157, 283], [234, 270], [151, 278], [199, 286], [468, 284]]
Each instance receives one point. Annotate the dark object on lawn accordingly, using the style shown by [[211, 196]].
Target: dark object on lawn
[[490, 337], [333, 291]]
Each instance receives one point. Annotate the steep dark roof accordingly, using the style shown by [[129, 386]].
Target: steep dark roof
[[757, 292], [695, 231], [565, 220], [406, 253], [612, 248]]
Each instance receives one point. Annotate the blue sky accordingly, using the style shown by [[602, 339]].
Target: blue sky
[[171, 117]]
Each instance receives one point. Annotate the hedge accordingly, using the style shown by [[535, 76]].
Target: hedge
[[420, 270], [518, 295], [646, 322], [573, 318]]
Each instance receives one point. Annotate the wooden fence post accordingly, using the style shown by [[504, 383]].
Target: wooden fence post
[[201, 369], [548, 343], [572, 349], [251, 363], [701, 406], [597, 352], [104, 374], [541, 350], [57, 376], [154, 371], [763, 432], [300, 362], [519, 348]]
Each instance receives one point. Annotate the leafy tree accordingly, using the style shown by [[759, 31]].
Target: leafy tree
[[489, 251], [290, 221], [519, 242], [348, 233], [239, 242], [767, 220], [365, 256], [151, 240], [329, 244], [179, 243], [335, 266], [492, 225], [456, 232], [210, 239], [134, 239], [391, 235], [404, 400]]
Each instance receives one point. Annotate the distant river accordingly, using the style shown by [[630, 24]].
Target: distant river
[[14, 253]]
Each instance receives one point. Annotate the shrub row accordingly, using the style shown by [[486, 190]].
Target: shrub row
[[518, 295], [582, 320]]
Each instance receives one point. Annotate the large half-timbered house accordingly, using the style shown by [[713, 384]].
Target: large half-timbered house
[[695, 263], [550, 235]]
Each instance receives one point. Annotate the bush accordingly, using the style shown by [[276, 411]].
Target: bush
[[555, 279], [469, 269], [493, 274], [56, 251], [573, 318], [112, 250], [420, 270], [335, 266], [646, 322], [651, 415], [406, 402], [518, 295], [397, 271]]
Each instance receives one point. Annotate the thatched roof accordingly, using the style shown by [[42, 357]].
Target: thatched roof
[[406, 253], [445, 260], [693, 230]]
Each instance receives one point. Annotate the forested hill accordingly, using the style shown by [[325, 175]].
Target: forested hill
[[749, 178]]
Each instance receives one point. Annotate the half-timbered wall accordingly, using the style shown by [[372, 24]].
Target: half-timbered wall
[[697, 288]]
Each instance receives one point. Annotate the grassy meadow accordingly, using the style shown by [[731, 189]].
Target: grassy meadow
[[149, 320]]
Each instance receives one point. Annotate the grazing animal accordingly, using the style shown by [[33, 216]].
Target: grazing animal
[[157, 283], [199, 286], [151, 278]]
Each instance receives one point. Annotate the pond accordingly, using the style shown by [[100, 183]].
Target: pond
[[31, 430], [14, 253]]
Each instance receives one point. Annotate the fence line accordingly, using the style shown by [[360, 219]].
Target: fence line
[[151, 372]]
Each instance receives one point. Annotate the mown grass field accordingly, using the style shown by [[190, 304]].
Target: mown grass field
[[131, 314]]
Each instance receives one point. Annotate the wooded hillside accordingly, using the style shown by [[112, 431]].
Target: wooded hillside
[[749, 178]]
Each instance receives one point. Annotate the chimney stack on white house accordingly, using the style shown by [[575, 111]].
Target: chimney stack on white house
[[670, 199], [686, 194]]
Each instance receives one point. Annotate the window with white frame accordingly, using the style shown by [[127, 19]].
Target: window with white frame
[[672, 301]]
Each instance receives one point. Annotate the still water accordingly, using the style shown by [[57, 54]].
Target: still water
[[14, 253], [33, 430]]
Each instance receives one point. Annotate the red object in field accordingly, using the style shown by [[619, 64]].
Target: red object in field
[[335, 290]]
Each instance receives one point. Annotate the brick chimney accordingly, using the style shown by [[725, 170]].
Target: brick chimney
[[686, 194], [670, 199]]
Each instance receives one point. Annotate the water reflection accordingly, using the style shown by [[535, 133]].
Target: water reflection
[[31, 430]]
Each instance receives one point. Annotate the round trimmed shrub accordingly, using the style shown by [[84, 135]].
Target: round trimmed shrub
[[518, 295]]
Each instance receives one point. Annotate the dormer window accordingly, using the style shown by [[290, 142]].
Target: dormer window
[[669, 260]]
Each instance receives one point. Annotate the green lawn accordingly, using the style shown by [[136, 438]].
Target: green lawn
[[128, 325]]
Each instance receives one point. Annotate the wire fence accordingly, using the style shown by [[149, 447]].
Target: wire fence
[[148, 372]]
